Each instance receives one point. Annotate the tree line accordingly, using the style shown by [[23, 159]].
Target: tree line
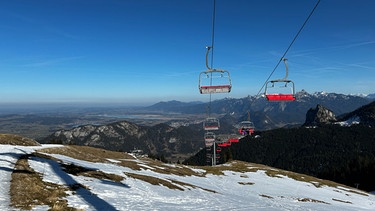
[[342, 154]]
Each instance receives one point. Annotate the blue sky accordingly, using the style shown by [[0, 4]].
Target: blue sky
[[146, 51]]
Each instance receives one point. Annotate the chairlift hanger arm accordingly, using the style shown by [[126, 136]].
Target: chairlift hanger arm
[[286, 68], [209, 69], [208, 51], [285, 79]]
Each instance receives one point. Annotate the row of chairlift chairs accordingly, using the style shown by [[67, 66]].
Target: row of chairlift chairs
[[214, 81], [245, 128], [222, 84]]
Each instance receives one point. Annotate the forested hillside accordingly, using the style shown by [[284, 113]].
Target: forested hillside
[[341, 154]]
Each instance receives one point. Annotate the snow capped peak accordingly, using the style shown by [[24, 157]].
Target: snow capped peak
[[359, 95], [321, 93]]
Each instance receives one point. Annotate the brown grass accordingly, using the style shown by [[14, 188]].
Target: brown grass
[[346, 202], [192, 186], [100, 155], [154, 180], [246, 183], [266, 196], [87, 153], [272, 172], [17, 140], [242, 167], [238, 166], [163, 168], [81, 171], [28, 190], [164, 182], [355, 191], [311, 200]]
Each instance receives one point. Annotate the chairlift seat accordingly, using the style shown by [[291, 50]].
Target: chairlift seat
[[211, 124], [280, 97], [234, 140], [246, 128], [214, 81], [209, 143], [215, 89], [224, 144], [209, 137]]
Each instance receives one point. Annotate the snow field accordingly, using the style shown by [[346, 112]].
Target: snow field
[[231, 191]]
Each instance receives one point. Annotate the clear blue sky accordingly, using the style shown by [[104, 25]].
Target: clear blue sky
[[146, 51]]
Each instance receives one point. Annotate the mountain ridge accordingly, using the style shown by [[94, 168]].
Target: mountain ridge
[[279, 114], [173, 139]]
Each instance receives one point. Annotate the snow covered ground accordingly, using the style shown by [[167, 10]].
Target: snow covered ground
[[252, 190]]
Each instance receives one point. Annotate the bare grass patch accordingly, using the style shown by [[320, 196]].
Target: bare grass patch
[[81, 171], [154, 180], [11, 139], [246, 183], [87, 153], [311, 200], [266, 196], [28, 190], [339, 200]]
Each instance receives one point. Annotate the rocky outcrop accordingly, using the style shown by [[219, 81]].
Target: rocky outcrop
[[319, 116], [126, 136]]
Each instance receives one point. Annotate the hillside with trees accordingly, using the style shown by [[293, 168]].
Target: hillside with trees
[[344, 154]]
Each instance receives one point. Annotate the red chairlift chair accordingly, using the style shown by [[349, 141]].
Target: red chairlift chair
[[246, 128], [279, 85], [211, 124], [214, 80]]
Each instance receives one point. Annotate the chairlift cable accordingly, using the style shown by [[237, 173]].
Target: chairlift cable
[[209, 106], [212, 51], [286, 51], [213, 33], [208, 82]]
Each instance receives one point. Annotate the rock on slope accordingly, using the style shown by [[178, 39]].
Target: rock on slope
[[318, 116]]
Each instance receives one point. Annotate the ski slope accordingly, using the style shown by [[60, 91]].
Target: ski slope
[[231, 190]]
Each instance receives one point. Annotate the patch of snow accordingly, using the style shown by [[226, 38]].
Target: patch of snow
[[9, 154], [113, 161], [231, 191], [352, 121]]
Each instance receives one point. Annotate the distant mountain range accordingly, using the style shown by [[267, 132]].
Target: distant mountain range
[[268, 115], [170, 140], [371, 96]]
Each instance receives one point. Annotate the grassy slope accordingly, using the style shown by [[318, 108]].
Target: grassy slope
[[28, 189]]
